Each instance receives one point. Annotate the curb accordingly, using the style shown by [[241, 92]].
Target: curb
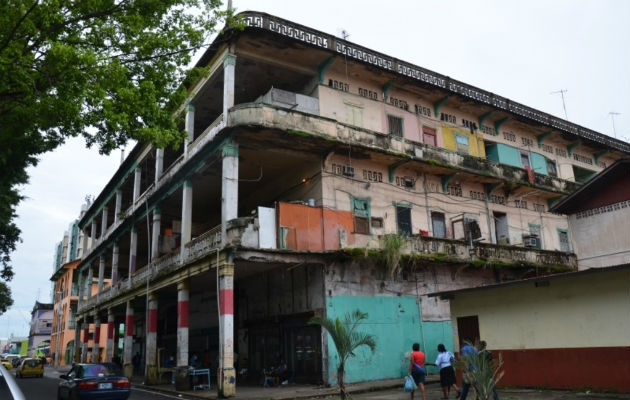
[[332, 391]]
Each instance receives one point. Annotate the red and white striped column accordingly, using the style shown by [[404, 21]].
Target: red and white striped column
[[227, 375], [84, 342], [151, 348], [96, 347], [128, 344], [109, 357], [182, 323]]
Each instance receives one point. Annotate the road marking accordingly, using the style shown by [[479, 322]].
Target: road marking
[[170, 396]]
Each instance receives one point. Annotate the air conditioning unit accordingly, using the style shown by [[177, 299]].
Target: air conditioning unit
[[530, 241], [409, 182], [348, 170]]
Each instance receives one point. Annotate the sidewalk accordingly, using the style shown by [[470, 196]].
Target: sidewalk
[[390, 389], [292, 391]]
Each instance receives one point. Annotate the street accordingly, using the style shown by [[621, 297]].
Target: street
[[46, 388]]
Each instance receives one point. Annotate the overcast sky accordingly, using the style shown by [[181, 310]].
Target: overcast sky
[[522, 50]]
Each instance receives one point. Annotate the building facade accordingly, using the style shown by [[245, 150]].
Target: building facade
[[40, 330], [567, 331], [601, 209], [319, 177]]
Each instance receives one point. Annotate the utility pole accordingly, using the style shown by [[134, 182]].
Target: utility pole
[[562, 92], [612, 117]]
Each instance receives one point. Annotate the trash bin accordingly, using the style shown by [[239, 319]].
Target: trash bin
[[182, 381]]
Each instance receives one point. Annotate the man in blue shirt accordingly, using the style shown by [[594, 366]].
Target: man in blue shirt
[[466, 353]]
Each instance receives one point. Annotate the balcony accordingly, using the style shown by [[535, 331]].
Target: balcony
[[193, 251]]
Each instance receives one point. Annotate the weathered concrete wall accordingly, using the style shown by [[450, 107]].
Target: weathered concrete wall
[[281, 292], [395, 323], [611, 226], [401, 302]]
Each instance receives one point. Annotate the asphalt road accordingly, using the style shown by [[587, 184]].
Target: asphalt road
[[46, 389]]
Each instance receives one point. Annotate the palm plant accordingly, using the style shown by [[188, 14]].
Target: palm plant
[[346, 339], [483, 373]]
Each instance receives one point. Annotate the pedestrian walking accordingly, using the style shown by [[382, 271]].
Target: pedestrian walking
[[444, 361], [467, 352], [416, 369]]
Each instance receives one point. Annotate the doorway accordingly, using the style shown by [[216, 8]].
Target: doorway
[[403, 219], [468, 329], [438, 223], [501, 228]]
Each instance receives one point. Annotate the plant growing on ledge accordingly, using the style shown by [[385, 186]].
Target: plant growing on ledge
[[346, 340], [392, 245]]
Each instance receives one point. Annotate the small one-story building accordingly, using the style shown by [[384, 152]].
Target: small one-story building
[[565, 331]]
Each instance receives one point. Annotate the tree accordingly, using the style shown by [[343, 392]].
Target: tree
[[108, 70], [346, 340]]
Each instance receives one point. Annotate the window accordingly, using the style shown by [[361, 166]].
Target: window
[[551, 168], [422, 110], [563, 236], [377, 222], [461, 142], [428, 136], [403, 219], [510, 137], [527, 141], [361, 211], [520, 204], [338, 85], [448, 118], [354, 115], [368, 93], [395, 125], [399, 103], [525, 160]]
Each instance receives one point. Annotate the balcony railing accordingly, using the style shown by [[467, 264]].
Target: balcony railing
[[455, 250], [193, 251]]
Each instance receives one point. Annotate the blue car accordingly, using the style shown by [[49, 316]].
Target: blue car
[[94, 381]]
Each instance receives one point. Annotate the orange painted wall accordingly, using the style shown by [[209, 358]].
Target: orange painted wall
[[314, 228]]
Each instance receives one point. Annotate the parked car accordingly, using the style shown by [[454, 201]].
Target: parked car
[[30, 367], [7, 364], [94, 381], [9, 389]]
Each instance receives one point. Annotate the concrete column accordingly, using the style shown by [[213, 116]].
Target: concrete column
[[226, 374], [229, 62], [155, 234], [96, 348], [187, 197], [118, 206], [77, 342], [84, 342], [159, 164], [229, 186], [189, 126], [109, 355], [182, 323], [85, 243], [90, 278], [81, 292], [133, 248], [115, 253], [104, 222], [151, 348], [136, 184], [128, 345], [93, 235], [101, 274]]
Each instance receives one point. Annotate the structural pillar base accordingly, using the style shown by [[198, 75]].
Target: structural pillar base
[[228, 384], [152, 375]]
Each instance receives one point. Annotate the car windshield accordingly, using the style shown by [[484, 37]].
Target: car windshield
[[96, 370], [31, 363]]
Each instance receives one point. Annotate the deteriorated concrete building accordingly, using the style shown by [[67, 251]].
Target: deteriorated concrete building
[[319, 177]]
